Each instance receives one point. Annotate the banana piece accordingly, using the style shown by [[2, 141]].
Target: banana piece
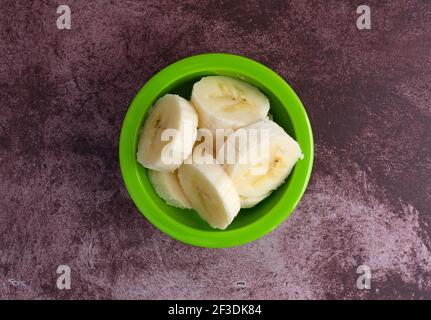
[[210, 190], [228, 103], [272, 161], [167, 186], [169, 112], [250, 202]]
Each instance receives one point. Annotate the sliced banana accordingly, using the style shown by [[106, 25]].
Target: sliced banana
[[273, 159], [164, 150], [210, 190], [167, 186], [228, 103], [250, 202]]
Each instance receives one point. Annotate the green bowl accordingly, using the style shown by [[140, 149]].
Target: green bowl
[[186, 225]]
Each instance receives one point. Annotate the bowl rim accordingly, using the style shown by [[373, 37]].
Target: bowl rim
[[213, 63]]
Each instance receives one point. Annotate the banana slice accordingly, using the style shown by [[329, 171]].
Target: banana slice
[[228, 103], [210, 190], [272, 160], [167, 186], [250, 202], [164, 150]]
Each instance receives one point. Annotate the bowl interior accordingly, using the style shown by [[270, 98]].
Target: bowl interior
[[191, 219]]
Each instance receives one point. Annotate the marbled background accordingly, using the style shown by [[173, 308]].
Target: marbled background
[[63, 96]]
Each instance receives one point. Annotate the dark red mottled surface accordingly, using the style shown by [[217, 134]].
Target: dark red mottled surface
[[63, 95]]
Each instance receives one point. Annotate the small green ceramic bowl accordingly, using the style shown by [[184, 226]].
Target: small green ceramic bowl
[[186, 225]]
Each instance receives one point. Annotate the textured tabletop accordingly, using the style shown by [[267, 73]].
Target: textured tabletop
[[63, 96]]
